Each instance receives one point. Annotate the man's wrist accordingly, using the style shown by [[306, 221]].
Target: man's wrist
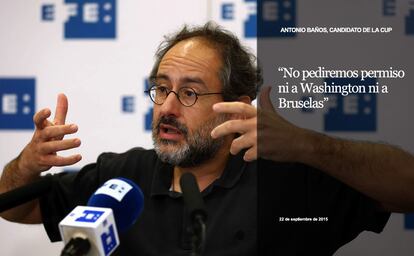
[[20, 165], [21, 172], [316, 147]]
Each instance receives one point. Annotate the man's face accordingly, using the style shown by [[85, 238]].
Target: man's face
[[182, 134]]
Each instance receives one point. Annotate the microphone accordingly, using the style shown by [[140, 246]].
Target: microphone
[[192, 197], [125, 199], [92, 229], [198, 214], [24, 194]]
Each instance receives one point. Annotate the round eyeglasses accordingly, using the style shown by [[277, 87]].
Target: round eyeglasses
[[185, 95]]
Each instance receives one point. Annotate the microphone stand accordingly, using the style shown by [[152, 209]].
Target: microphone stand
[[198, 214], [78, 246], [198, 237]]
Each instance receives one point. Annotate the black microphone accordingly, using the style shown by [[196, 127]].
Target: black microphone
[[198, 214], [192, 196], [26, 193]]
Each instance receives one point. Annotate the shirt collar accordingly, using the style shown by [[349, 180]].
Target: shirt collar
[[163, 175], [161, 181]]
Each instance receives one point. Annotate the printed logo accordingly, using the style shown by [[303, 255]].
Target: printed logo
[[48, 12], [354, 112], [86, 19], [250, 24], [90, 216], [128, 104], [240, 15], [115, 188], [409, 20], [17, 101], [108, 240], [148, 115], [274, 15], [388, 7]]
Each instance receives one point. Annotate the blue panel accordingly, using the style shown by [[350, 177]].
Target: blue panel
[[148, 115], [355, 112], [409, 23], [409, 221], [17, 102], [274, 15], [307, 110], [91, 19], [250, 25], [388, 7]]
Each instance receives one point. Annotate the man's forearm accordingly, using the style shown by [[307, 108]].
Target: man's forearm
[[382, 172], [12, 178], [39, 155]]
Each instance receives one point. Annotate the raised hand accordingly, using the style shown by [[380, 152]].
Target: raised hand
[[278, 139], [244, 124], [41, 152], [263, 132]]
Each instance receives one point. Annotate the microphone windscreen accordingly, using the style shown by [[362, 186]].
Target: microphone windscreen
[[125, 199], [192, 195], [25, 193]]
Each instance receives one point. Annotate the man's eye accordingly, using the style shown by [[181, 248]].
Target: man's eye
[[162, 89], [189, 93]]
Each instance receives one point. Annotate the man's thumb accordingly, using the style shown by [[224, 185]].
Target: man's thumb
[[264, 99]]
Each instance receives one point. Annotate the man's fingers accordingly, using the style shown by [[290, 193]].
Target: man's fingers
[[55, 160], [242, 142], [40, 118], [57, 131], [250, 154], [58, 145], [61, 109], [264, 99], [241, 108], [229, 127]]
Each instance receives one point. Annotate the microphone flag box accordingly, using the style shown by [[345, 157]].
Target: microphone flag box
[[93, 223]]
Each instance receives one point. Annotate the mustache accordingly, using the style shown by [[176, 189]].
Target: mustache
[[171, 120]]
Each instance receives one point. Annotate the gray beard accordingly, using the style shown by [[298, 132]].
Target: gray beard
[[198, 148]]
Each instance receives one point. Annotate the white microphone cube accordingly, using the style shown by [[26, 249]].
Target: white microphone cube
[[94, 223]]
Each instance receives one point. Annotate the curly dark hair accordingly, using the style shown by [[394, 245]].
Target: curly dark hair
[[239, 73]]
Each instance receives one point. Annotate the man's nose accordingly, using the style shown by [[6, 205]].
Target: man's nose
[[171, 105]]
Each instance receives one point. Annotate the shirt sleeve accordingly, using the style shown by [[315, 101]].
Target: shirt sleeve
[[303, 211], [346, 209]]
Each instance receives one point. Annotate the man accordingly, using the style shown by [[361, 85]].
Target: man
[[196, 70]]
